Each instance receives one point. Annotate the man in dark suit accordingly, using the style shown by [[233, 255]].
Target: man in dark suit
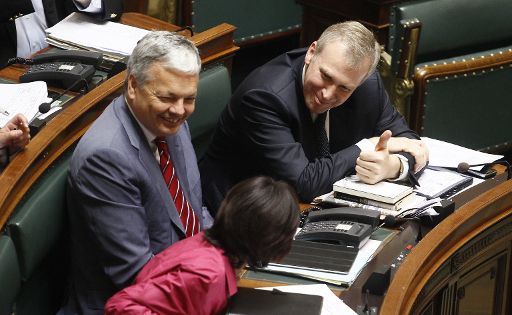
[[134, 186], [22, 22], [274, 124]]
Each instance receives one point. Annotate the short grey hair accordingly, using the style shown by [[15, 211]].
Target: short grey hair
[[172, 50], [359, 42]]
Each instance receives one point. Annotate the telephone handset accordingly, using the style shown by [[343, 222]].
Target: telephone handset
[[339, 225], [63, 68]]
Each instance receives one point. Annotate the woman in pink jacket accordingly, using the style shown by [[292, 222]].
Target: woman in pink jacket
[[255, 225]]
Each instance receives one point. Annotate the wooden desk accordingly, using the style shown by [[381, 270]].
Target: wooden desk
[[463, 265], [353, 296], [62, 132]]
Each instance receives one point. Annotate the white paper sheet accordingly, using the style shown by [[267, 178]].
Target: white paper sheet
[[445, 154], [23, 98]]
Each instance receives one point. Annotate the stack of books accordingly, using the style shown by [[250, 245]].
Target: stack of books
[[383, 195]]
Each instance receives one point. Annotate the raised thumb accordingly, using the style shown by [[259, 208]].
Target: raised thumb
[[383, 141]]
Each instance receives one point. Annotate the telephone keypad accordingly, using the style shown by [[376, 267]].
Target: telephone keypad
[[339, 226]]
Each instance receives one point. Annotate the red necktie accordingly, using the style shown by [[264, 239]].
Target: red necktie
[[187, 215]]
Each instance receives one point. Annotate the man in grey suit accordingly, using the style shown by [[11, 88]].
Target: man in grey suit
[[122, 209]]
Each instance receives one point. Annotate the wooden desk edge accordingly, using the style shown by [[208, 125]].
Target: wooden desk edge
[[440, 243]]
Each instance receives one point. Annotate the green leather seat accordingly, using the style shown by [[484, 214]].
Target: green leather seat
[[451, 62], [213, 94], [253, 19], [10, 275], [38, 229]]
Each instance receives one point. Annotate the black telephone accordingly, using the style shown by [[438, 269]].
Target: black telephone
[[68, 69], [346, 225]]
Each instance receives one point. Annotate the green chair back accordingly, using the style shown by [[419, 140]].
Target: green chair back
[[213, 94], [38, 231], [10, 275], [454, 27], [253, 19]]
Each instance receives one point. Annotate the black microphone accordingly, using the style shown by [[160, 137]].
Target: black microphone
[[390, 220], [464, 167], [46, 106]]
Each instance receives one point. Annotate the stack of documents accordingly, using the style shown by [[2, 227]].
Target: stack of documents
[[383, 195], [364, 255], [79, 31], [413, 201], [23, 98]]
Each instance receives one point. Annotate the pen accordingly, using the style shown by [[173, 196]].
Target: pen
[[3, 111]]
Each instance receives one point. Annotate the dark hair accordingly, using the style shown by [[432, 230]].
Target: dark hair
[[256, 222]]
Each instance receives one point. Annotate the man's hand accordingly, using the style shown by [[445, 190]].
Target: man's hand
[[416, 148], [15, 134], [375, 166]]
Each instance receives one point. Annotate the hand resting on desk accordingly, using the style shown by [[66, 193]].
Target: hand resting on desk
[[375, 166], [15, 135], [417, 148]]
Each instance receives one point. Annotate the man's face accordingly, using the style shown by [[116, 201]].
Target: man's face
[[165, 101], [328, 80]]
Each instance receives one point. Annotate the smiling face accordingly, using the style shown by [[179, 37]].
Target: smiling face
[[165, 101], [329, 80]]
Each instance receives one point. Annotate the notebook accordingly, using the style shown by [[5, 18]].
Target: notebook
[[387, 192], [261, 302]]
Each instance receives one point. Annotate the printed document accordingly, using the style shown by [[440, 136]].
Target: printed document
[[445, 154], [23, 98]]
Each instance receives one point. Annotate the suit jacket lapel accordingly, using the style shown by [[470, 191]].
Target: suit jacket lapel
[[147, 158], [308, 135]]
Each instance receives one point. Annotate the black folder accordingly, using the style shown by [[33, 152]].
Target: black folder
[[262, 302], [320, 256]]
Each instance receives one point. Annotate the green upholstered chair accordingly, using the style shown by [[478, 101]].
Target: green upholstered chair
[[10, 275], [37, 229], [213, 94], [255, 20], [449, 70]]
